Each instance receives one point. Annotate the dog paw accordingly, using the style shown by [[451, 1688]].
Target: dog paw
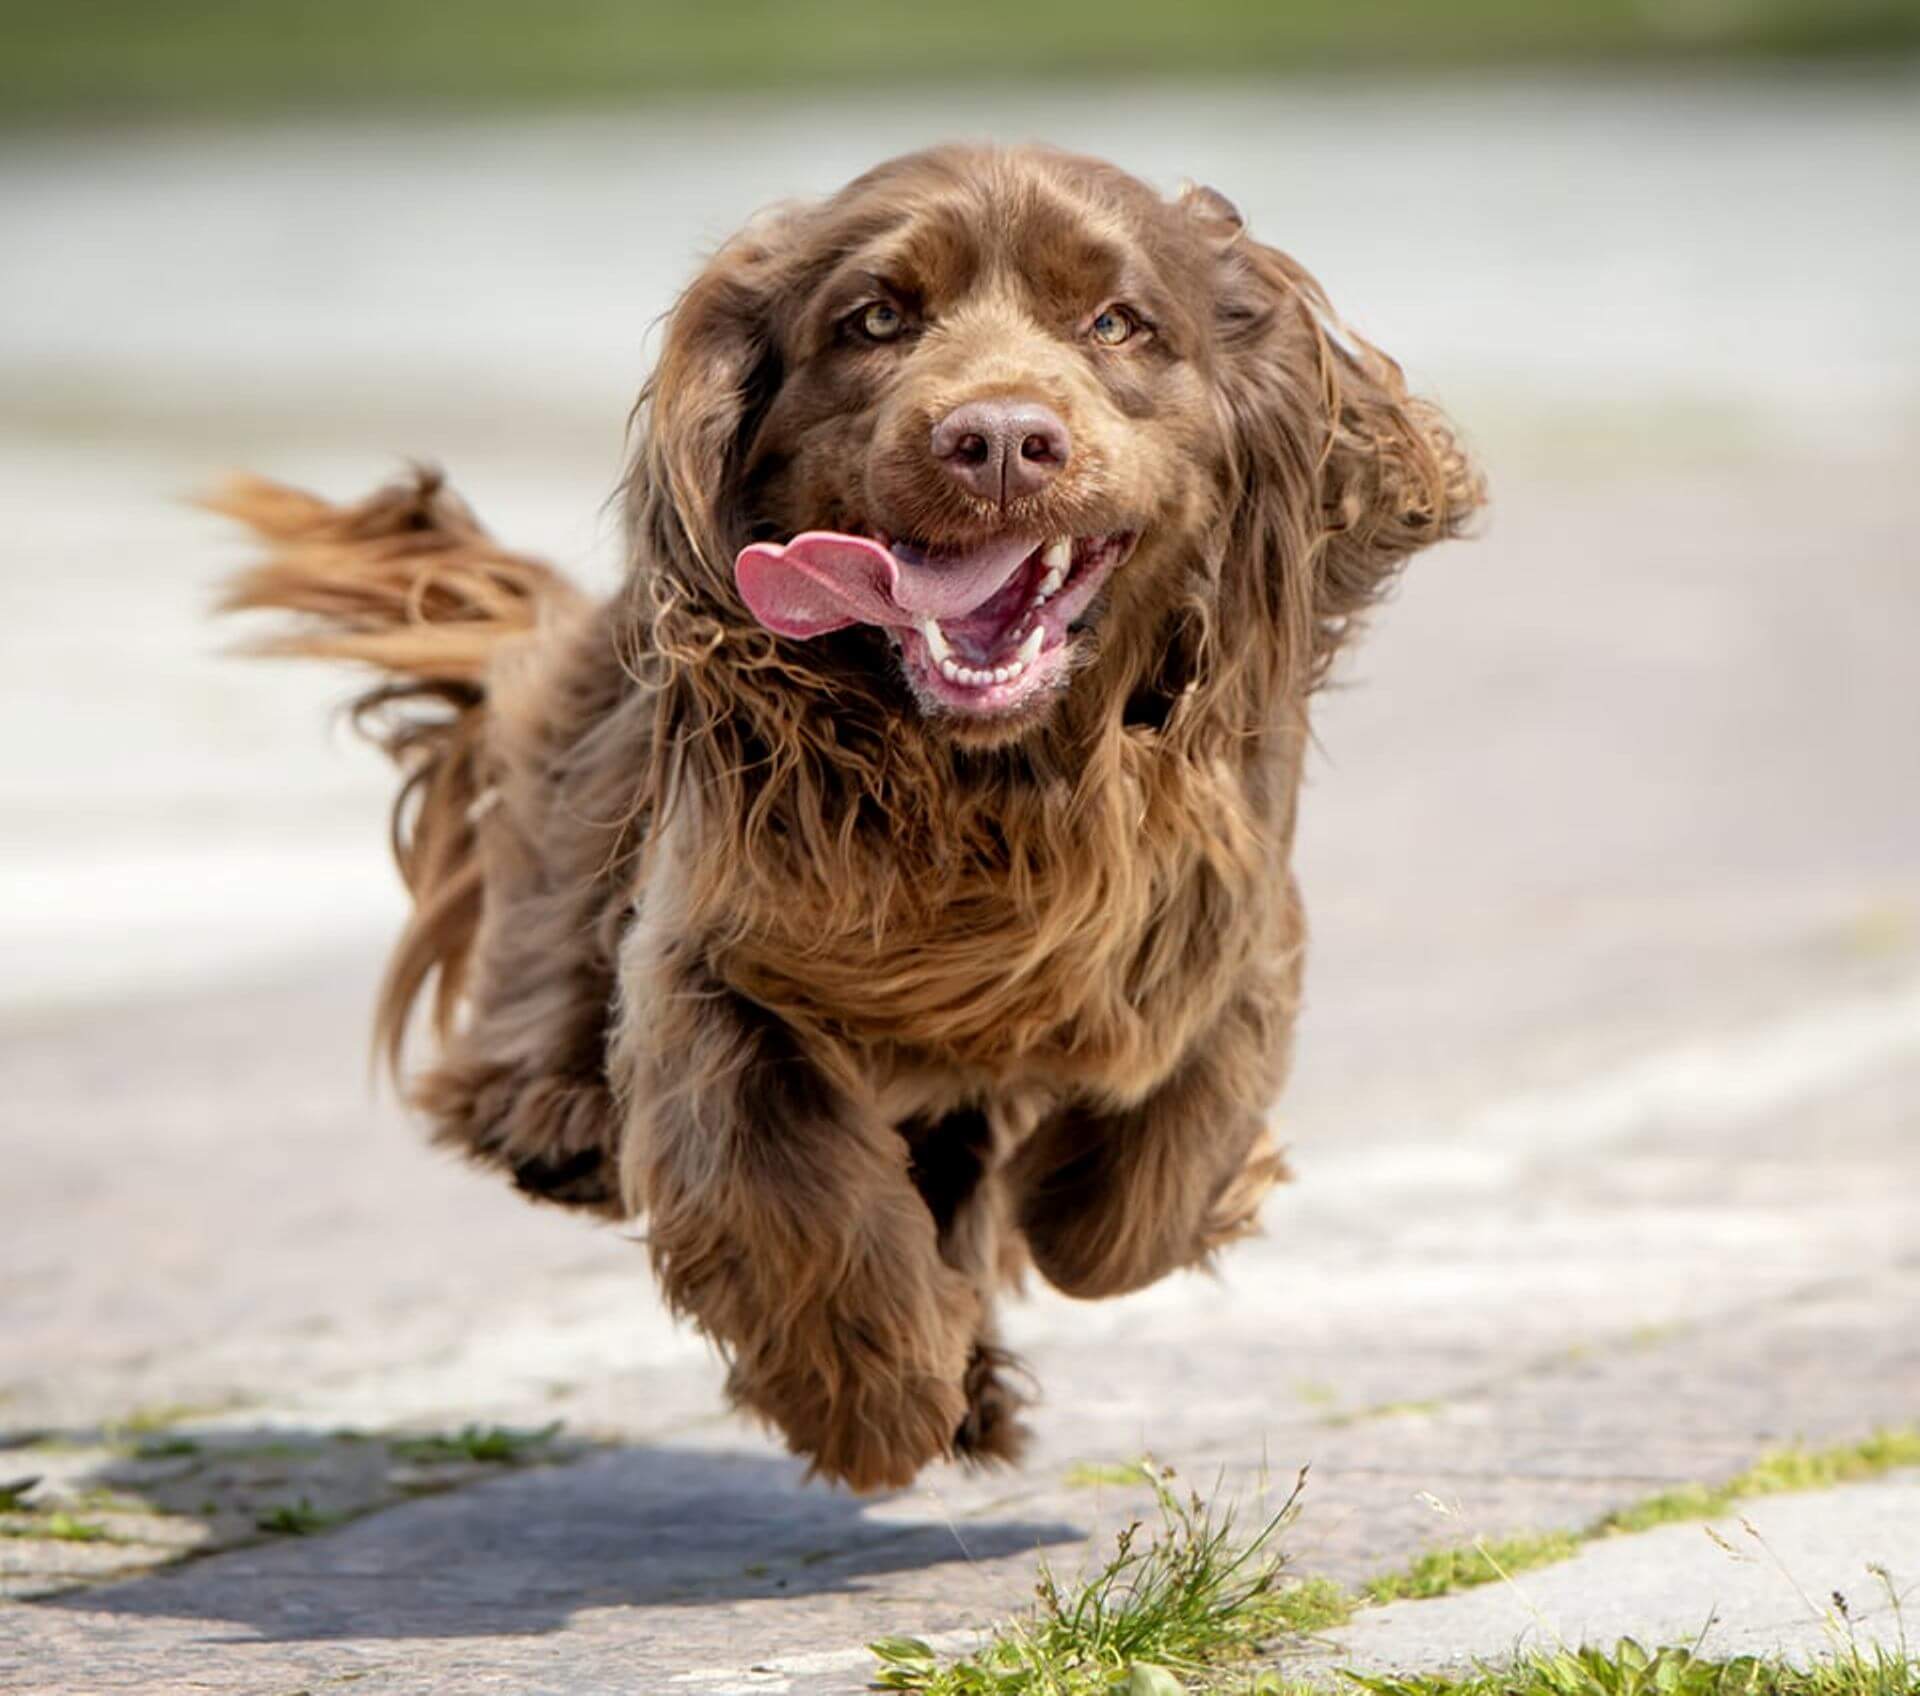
[[869, 1391], [870, 1433], [992, 1434]]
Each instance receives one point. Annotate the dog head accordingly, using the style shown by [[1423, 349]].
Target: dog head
[[992, 428]]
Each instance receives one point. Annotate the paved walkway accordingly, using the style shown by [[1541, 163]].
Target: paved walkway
[[1607, 1166], [1608, 1169]]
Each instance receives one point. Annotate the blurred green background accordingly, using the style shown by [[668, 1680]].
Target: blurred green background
[[84, 59]]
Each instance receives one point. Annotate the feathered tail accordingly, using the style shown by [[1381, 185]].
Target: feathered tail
[[409, 583]]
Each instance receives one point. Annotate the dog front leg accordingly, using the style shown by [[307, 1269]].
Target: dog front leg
[[783, 1220], [1110, 1199], [953, 1160]]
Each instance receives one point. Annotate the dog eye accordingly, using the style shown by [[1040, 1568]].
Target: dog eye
[[1114, 325], [880, 322]]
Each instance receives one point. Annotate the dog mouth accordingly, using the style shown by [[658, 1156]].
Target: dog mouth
[[1015, 645], [982, 631]]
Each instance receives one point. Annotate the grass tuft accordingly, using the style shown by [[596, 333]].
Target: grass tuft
[[60, 1528], [1627, 1669], [1775, 1473], [1178, 1605], [493, 1445], [166, 1448], [1091, 1475], [295, 1519], [1442, 1571], [158, 1416], [1385, 1410], [1309, 1606]]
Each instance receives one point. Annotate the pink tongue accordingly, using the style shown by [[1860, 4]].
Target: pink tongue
[[824, 581]]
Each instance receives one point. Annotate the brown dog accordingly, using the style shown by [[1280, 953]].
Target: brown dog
[[889, 885]]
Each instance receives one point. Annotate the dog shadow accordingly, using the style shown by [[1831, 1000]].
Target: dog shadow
[[519, 1551]]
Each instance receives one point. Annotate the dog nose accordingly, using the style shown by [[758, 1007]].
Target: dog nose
[[999, 449]]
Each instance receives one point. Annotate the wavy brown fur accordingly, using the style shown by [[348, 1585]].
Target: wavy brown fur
[[866, 1008], [406, 582]]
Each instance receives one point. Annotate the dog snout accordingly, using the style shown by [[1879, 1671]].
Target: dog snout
[[1003, 448]]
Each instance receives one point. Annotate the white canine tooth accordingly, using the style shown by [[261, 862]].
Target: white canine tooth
[[1030, 648], [936, 638], [1058, 559]]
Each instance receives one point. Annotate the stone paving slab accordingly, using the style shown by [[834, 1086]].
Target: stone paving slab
[[1762, 1582], [716, 1557]]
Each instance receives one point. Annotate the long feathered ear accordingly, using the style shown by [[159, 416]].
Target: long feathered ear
[[718, 371], [682, 630], [1341, 474]]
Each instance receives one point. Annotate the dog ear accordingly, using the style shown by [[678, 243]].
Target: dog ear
[[1340, 473], [718, 371]]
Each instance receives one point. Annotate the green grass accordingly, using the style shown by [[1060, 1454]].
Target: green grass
[[60, 57], [166, 1448], [1385, 1410], [1627, 1669], [155, 1416], [1094, 1475], [1442, 1571], [311, 1473], [1309, 1606], [1780, 1470], [60, 1528], [493, 1445], [1796, 1467], [295, 1519], [1180, 1610], [1163, 1612]]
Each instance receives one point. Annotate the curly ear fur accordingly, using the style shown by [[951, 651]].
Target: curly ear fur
[[1342, 475], [717, 372]]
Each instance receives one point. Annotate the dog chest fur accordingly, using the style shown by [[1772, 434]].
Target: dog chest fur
[[1082, 932]]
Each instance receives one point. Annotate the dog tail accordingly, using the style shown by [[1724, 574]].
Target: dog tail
[[406, 582]]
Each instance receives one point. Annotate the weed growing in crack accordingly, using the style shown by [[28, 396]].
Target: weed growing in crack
[[1185, 1602]]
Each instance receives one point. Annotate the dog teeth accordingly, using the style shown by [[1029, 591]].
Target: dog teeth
[[936, 640], [1058, 559], [971, 677]]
